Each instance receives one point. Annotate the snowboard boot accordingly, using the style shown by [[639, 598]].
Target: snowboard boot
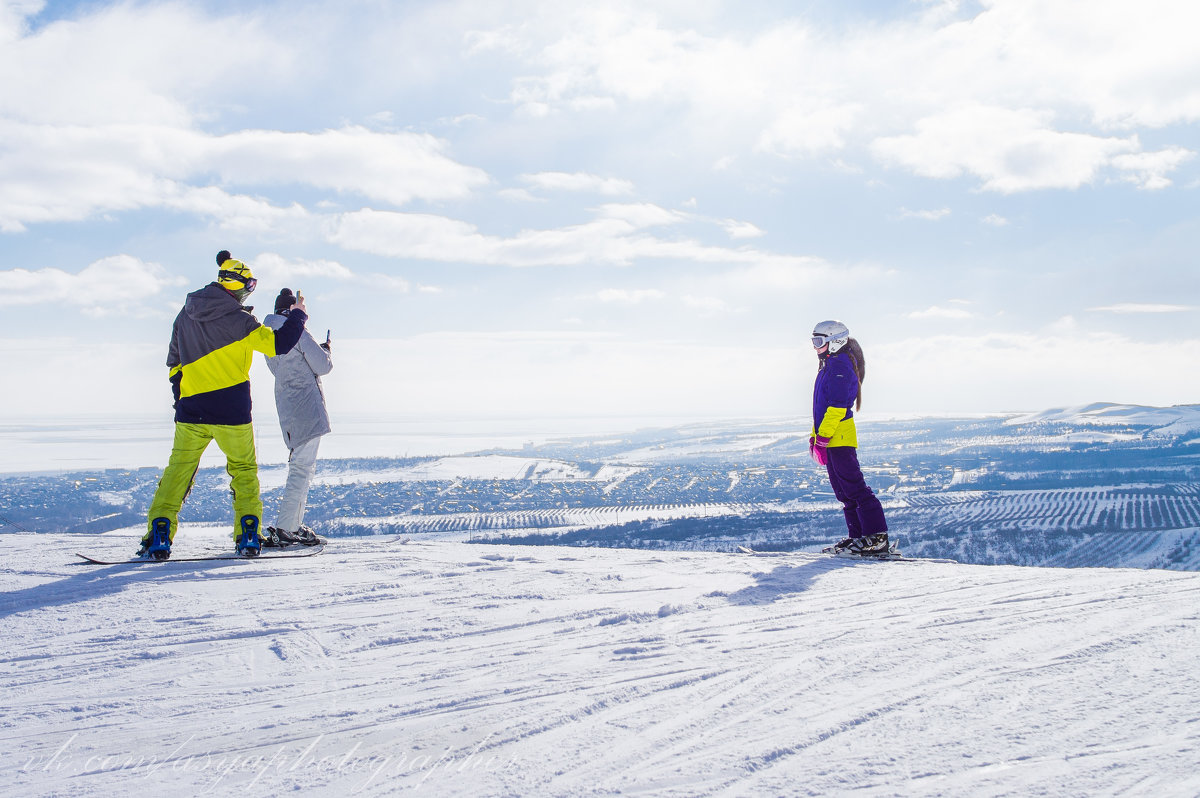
[[284, 537], [248, 543], [156, 545], [307, 536], [869, 544], [271, 539]]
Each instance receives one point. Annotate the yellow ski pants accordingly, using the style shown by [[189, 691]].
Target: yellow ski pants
[[237, 442]]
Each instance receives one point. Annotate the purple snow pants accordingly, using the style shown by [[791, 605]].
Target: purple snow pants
[[864, 514]]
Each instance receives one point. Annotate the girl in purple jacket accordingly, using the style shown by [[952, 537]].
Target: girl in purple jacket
[[834, 441]]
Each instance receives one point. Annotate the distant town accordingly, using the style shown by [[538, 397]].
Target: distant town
[[1108, 487]]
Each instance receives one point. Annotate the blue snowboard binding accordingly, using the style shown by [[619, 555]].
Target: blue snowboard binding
[[157, 543], [249, 544]]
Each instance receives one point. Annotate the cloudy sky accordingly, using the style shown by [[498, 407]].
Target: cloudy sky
[[638, 209]]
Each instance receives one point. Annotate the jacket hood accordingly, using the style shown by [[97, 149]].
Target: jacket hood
[[211, 302]]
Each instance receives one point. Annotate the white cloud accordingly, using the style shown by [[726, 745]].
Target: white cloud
[[69, 173], [270, 150], [1136, 307], [804, 132], [615, 237], [506, 39], [276, 269], [519, 195], [627, 296], [1125, 65], [1022, 94], [393, 167], [110, 285], [89, 373], [642, 214], [394, 283], [783, 276], [437, 238], [239, 214], [1010, 150], [938, 312], [928, 215], [562, 373], [297, 273], [132, 64], [737, 229], [1149, 169], [1058, 366], [706, 304], [13, 14], [1065, 326], [578, 181]]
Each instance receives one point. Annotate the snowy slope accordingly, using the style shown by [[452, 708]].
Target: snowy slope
[[440, 668], [1178, 420]]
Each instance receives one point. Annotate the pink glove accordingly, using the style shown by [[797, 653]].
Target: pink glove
[[818, 448]]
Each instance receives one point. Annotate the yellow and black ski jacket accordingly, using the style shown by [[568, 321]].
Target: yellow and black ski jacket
[[212, 345]]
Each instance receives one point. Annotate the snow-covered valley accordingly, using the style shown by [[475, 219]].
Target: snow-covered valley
[[1099, 485], [446, 668]]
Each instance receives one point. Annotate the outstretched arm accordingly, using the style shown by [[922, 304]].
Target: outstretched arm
[[289, 334]]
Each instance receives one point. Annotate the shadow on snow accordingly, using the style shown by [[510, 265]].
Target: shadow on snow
[[788, 580]]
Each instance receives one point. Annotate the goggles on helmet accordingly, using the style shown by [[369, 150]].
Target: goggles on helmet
[[248, 283], [831, 332]]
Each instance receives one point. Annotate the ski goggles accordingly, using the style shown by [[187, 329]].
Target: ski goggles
[[819, 341], [248, 283]]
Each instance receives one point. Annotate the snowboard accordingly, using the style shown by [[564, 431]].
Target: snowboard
[[883, 555], [289, 553], [890, 555]]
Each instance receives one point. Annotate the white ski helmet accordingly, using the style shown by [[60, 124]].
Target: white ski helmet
[[830, 332]]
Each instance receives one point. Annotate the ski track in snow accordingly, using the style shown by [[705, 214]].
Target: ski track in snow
[[443, 668]]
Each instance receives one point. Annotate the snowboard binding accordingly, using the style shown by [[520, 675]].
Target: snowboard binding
[[248, 542], [157, 543]]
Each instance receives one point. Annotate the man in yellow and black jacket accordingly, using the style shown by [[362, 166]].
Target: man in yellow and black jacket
[[212, 344]]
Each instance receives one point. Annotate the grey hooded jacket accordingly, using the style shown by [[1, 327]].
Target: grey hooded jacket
[[298, 395]]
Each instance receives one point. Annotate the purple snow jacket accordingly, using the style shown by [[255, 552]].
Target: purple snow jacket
[[834, 393]]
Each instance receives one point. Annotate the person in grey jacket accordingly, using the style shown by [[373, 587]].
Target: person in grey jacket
[[302, 418]]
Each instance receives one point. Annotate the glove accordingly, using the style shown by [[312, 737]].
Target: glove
[[818, 449]]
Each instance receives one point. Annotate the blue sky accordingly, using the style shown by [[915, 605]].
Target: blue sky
[[543, 209]]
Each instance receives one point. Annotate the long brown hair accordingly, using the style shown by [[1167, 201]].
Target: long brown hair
[[853, 349]]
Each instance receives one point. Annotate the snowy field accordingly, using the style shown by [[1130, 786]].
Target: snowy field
[[442, 668]]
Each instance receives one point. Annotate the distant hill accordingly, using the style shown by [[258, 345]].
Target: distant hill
[[1100, 484]]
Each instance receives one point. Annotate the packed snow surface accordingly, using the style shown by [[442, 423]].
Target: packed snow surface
[[439, 668]]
